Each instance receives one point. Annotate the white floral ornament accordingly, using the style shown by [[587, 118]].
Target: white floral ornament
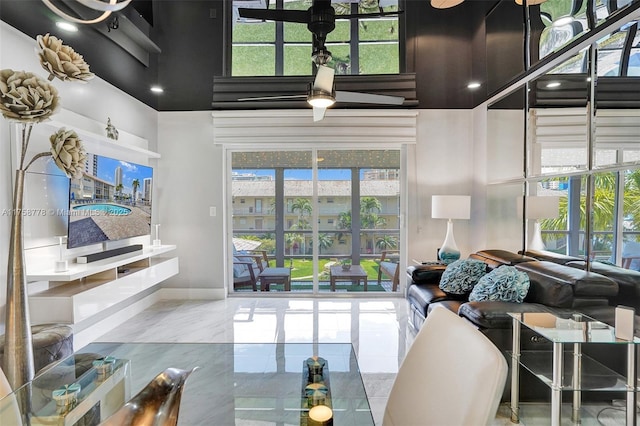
[[68, 152], [61, 60], [25, 97]]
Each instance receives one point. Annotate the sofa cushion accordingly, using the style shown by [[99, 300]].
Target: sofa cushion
[[422, 295], [495, 314], [628, 280], [504, 257], [505, 283], [551, 256], [426, 274], [557, 285], [462, 275]]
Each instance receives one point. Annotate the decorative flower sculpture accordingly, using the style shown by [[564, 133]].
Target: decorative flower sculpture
[[68, 152], [25, 97], [28, 100], [61, 60]]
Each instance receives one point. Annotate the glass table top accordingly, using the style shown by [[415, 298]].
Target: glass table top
[[236, 384], [575, 328]]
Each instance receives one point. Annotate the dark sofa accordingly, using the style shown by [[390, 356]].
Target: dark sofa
[[558, 285]]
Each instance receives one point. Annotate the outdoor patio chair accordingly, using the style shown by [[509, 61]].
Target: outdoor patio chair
[[388, 265], [245, 273]]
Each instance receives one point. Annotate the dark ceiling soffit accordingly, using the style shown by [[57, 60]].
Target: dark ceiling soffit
[[227, 90], [132, 33]]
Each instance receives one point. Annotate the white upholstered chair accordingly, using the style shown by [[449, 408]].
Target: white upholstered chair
[[452, 375], [9, 411]]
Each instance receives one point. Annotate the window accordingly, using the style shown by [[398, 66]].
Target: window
[[263, 48]]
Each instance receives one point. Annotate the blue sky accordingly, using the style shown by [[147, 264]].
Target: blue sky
[[130, 171]]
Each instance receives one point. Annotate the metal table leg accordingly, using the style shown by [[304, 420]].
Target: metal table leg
[[515, 372], [576, 382], [631, 385], [556, 385]]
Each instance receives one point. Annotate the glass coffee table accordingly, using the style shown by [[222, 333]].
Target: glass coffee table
[[584, 374], [245, 383]]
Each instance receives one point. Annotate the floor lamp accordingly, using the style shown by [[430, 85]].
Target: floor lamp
[[450, 207], [539, 208]]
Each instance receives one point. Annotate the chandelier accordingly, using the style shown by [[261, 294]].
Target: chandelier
[[107, 7]]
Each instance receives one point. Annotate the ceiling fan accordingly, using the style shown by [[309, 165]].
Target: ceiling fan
[[320, 19]]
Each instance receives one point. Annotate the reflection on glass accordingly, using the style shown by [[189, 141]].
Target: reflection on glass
[[558, 121], [564, 233], [505, 129], [564, 20], [504, 224]]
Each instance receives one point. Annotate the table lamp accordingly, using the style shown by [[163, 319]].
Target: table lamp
[[450, 207], [541, 208]]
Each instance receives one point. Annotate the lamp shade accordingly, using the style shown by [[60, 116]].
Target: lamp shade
[[543, 207], [450, 207]]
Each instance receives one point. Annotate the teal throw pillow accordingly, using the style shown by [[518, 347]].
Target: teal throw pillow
[[505, 283], [462, 275]]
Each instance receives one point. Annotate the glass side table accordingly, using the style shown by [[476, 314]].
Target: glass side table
[[576, 330], [42, 400]]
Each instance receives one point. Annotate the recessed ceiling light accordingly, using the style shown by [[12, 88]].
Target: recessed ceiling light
[[474, 85], [553, 85], [67, 26], [157, 89]]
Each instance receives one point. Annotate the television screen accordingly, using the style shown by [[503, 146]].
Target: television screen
[[111, 202]]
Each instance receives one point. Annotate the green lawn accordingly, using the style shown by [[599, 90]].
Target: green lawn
[[301, 268]]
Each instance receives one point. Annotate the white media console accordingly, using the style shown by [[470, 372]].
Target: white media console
[[87, 290]]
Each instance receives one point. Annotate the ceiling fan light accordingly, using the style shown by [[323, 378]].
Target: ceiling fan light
[[320, 99]]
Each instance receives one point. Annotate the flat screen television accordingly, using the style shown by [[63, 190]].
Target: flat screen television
[[112, 201]]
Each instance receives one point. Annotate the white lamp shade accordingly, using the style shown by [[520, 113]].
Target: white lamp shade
[[451, 207], [541, 207]]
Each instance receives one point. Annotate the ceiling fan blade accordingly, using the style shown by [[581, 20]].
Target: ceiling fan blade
[[318, 113], [324, 79], [370, 15], [300, 16], [368, 98], [263, 98]]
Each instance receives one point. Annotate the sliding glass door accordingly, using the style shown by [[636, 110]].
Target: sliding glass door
[[313, 211]]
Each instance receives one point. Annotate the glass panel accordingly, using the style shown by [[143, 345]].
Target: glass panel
[[504, 220], [603, 213], [630, 256], [370, 62], [251, 60], [558, 122], [298, 214], [548, 216], [563, 20], [297, 59], [505, 133], [341, 58], [604, 8], [617, 134]]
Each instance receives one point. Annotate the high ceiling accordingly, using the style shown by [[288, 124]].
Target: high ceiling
[[183, 47]]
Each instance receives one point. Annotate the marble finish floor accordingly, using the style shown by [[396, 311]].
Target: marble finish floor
[[377, 328]]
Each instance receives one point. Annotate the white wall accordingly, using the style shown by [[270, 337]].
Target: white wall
[[95, 100], [191, 181], [442, 163]]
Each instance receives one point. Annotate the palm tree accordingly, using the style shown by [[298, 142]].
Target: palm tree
[[135, 184], [304, 208], [324, 242], [386, 242], [119, 190], [369, 204]]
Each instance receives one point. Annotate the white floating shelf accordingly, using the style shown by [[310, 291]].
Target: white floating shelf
[[77, 271]]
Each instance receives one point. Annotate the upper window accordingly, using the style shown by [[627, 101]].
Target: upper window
[[357, 45]]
